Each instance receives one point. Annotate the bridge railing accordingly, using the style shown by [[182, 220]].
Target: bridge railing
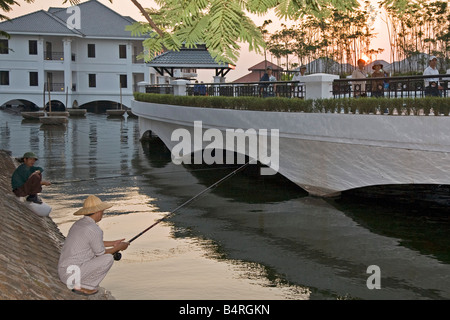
[[288, 89], [393, 87], [159, 88], [317, 86]]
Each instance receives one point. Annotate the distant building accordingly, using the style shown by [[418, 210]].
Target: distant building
[[79, 56], [184, 63], [257, 71]]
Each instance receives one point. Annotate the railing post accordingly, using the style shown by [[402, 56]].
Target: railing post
[[319, 85], [179, 87], [218, 80], [142, 86]]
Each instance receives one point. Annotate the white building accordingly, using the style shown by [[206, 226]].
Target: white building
[[83, 53]]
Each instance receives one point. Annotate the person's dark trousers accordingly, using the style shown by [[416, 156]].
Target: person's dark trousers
[[432, 91], [31, 187]]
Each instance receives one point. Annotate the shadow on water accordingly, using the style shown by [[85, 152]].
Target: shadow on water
[[419, 228], [247, 186], [417, 198], [156, 151]]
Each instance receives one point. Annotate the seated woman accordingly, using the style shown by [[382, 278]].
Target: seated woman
[[378, 85], [26, 180]]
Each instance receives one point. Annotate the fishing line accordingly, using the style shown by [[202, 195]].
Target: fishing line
[[117, 255], [126, 175], [135, 175]]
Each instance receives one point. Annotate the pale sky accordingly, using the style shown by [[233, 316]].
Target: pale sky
[[247, 59]]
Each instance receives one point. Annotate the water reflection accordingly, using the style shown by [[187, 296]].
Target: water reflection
[[250, 237], [156, 152], [427, 232]]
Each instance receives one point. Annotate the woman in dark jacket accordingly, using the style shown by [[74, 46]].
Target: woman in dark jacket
[[26, 180]]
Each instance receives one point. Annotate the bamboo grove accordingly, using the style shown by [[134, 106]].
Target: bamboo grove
[[343, 37]]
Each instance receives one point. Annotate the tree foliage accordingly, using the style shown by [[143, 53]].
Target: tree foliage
[[222, 25], [422, 27], [341, 36]]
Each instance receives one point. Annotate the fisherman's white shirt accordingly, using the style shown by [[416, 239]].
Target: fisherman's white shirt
[[83, 243]]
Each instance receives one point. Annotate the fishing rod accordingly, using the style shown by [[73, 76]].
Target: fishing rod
[[117, 255]]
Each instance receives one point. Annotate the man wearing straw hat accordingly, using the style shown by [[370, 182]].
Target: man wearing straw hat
[[84, 250]]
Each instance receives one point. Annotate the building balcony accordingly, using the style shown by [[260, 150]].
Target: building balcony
[[54, 55], [54, 87]]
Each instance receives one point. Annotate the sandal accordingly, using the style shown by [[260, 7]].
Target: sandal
[[85, 292]]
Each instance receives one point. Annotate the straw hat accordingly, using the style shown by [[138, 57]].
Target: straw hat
[[377, 64], [92, 204]]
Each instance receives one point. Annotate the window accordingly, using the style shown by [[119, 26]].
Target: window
[[91, 50], [122, 51], [33, 79], [32, 47], [123, 80], [92, 80], [4, 46], [4, 78]]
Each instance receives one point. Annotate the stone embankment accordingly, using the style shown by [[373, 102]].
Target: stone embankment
[[30, 249]]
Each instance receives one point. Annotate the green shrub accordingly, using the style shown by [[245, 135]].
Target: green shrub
[[343, 105]]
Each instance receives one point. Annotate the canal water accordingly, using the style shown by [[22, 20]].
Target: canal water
[[251, 237]]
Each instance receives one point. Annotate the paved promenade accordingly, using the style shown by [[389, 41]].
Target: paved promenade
[[30, 248]]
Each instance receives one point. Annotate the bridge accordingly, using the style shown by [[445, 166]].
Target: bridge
[[324, 153]]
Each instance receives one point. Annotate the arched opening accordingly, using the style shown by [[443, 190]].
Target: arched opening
[[155, 150], [20, 105], [272, 188], [101, 106], [56, 106]]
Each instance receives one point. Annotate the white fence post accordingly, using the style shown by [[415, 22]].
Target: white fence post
[[179, 87], [319, 85]]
